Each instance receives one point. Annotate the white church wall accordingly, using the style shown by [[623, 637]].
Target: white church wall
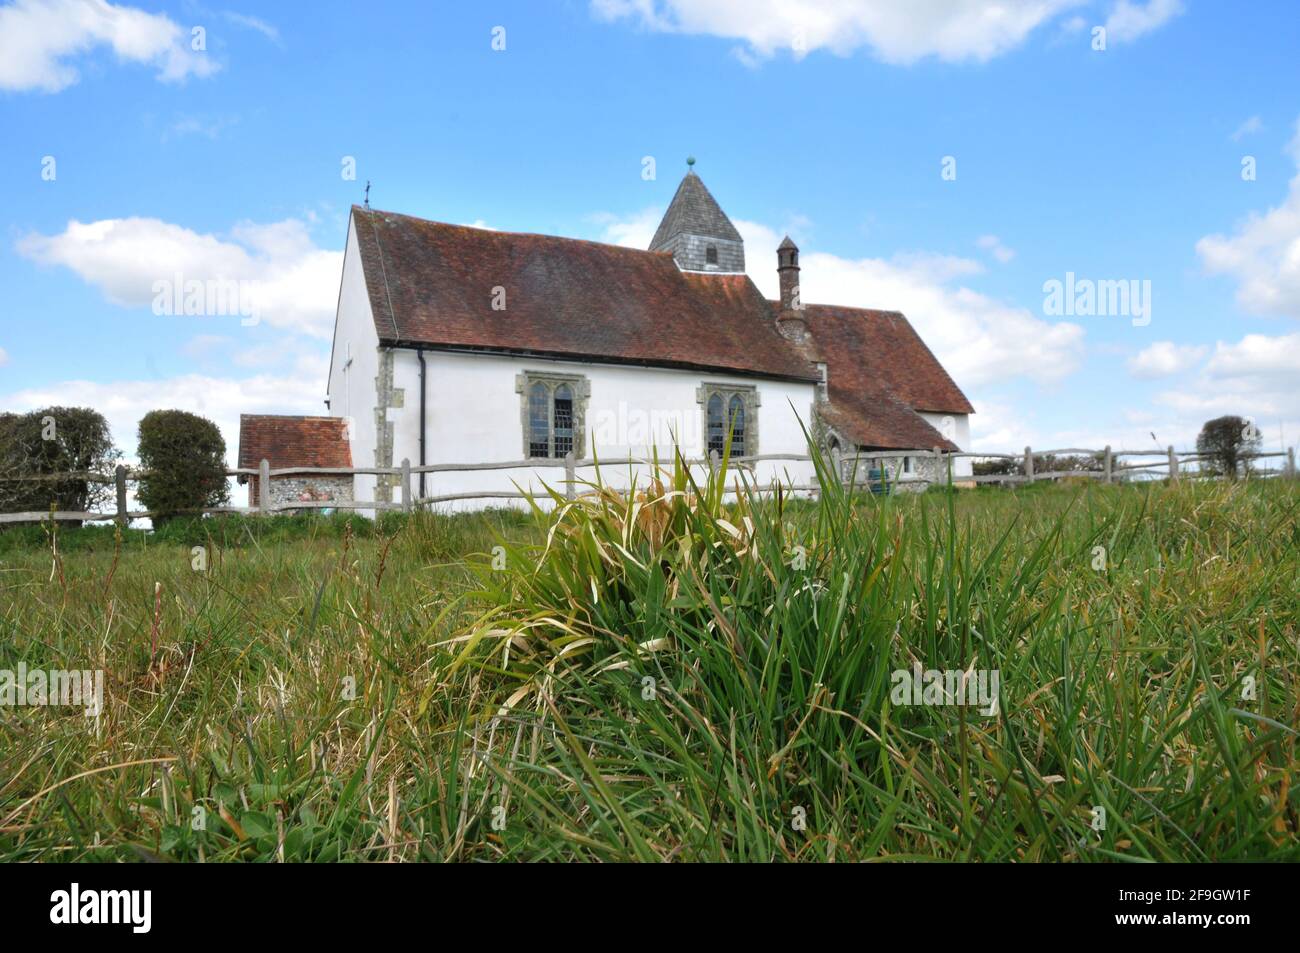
[[474, 414], [956, 427], [352, 391]]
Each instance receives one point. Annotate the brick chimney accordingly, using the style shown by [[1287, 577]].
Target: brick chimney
[[790, 320], [787, 266]]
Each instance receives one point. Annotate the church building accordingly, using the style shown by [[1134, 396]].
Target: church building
[[455, 344]]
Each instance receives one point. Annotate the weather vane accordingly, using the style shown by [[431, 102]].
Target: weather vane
[[367, 193]]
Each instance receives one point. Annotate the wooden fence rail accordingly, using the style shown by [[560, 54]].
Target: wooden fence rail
[[855, 469]]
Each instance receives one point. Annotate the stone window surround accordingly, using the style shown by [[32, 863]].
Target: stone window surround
[[581, 386], [748, 393]]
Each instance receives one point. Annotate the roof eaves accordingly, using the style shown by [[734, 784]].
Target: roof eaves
[[409, 344]]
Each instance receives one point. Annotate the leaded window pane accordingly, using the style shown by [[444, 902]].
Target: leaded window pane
[[717, 429], [563, 420], [539, 423], [736, 423]]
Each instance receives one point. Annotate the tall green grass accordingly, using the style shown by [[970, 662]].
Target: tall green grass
[[686, 672]]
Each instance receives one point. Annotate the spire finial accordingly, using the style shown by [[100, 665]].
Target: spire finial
[[690, 163], [367, 193]]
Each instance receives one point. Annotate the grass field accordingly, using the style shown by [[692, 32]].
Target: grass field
[[669, 678]]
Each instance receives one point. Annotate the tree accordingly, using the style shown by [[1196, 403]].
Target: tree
[[184, 459], [1225, 443], [53, 440]]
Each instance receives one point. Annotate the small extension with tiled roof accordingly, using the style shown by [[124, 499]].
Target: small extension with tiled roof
[[285, 441], [455, 344]]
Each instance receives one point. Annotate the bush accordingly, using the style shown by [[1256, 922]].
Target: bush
[[184, 457], [705, 675], [996, 467], [54, 440]]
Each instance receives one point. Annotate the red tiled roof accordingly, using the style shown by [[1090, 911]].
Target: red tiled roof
[[293, 441], [861, 343], [878, 419], [880, 374], [434, 284]]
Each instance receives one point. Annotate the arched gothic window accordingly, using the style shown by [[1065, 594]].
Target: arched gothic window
[[562, 421], [736, 424], [717, 429], [553, 414], [728, 415], [539, 420]]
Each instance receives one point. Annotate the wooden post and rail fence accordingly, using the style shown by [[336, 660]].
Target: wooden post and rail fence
[[866, 469]]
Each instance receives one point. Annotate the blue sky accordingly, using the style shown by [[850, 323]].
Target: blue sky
[[130, 157]]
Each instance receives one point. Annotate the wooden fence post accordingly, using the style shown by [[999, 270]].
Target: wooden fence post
[[1290, 462], [939, 468], [837, 465], [119, 477], [570, 477], [1108, 463], [1173, 463], [406, 484], [264, 487], [1029, 465]]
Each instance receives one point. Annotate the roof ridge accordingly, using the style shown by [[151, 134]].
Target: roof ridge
[[855, 307], [293, 416], [507, 233], [567, 296]]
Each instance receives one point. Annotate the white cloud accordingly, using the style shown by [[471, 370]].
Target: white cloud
[[1251, 126], [220, 399], [895, 32], [205, 345], [1164, 358], [1128, 20], [1263, 255], [38, 38], [253, 23], [1254, 377], [1206, 404], [1259, 358], [290, 283], [999, 427], [993, 245], [978, 339], [4, 357], [207, 127], [635, 231]]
